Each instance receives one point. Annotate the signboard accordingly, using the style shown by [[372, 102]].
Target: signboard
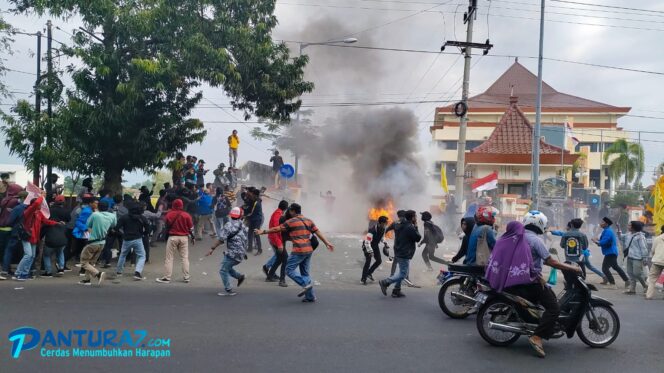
[[553, 188], [287, 171]]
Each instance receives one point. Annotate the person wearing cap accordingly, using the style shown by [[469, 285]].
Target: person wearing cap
[[97, 227], [55, 238], [180, 228], [430, 241], [234, 234], [14, 220], [636, 254], [609, 244]]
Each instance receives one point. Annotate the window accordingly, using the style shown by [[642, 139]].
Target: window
[[447, 144], [473, 144]]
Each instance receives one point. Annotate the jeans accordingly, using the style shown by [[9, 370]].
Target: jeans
[[29, 251], [611, 261], [227, 271], [59, 255], [280, 259], [587, 264], [429, 254], [303, 262], [401, 275], [270, 262], [139, 250], [10, 249], [232, 157], [543, 295], [369, 270], [636, 273]]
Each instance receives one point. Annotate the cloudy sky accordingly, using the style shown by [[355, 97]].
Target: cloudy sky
[[614, 34]]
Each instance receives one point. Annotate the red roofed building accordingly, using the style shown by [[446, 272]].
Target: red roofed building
[[500, 129]]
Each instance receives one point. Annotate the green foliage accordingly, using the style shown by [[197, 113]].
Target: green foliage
[[140, 66], [627, 160], [5, 49], [629, 198]]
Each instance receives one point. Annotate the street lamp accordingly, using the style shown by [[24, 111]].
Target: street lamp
[[302, 46]]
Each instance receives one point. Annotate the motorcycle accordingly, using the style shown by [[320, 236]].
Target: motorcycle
[[503, 317], [456, 296]]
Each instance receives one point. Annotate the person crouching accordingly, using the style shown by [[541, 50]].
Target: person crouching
[[234, 233]]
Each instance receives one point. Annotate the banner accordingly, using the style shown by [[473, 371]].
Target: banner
[[443, 178], [35, 192]]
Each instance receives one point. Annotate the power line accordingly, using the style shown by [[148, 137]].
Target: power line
[[608, 6]]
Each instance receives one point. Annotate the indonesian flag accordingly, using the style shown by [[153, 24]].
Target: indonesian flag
[[35, 192], [488, 182], [569, 133]]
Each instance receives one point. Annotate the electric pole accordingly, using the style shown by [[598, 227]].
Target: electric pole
[[538, 118], [461, 108], [36, 166], [49, 112]]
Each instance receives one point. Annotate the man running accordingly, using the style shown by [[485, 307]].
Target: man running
[[300, 230], [407, 236], [97, 227]]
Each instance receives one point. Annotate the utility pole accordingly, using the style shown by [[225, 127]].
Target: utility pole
[[37, 144], [466, 49], [538, 116], [49, 109]]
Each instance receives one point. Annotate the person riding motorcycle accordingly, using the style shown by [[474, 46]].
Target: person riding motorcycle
[[537, 291], [485, 218]]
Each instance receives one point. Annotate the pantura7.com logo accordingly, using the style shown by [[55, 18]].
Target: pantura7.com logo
[[80, 343]]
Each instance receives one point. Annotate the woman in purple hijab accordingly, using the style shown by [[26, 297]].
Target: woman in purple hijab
[[511, 262]]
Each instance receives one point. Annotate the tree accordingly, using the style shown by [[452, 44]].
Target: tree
[[141, 62], [625, 159], [5, 49]]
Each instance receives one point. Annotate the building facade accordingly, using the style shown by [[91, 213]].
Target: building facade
[[593, 124]]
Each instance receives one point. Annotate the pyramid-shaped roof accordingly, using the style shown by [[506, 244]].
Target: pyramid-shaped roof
[[511, 142], [519, 81]]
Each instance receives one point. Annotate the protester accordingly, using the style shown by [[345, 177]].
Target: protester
[[482, 235], [574, 242], [254, 218], [204, 211], [176, 167], [636, 254], [233, 145], [97, 227], [200, 173], [133, 226], [29, 232], [120, 210], [609, 244], [377, 233], [433, 235], [86, 188], [407, 236], [467, 225], [222, 208], [234, 234], [657, 264], [220, 180], [180, 228], [277, 163], [4, 184], [278, 247], [300, 231], [7, 205], [55, 237], [106, 196], [146, 197], [81, 233]]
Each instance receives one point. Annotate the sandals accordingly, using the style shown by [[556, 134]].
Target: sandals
[[539, 350]]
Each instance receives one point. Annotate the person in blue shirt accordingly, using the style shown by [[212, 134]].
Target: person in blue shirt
[[204, 211], [80, 231], [484, 221], [609, 244], [107, 196]]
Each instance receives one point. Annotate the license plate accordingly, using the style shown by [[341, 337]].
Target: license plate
[[481, 298]]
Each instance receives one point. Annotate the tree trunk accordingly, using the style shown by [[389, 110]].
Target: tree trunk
[[113, 179]]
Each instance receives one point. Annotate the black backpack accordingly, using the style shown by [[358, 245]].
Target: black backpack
[[437, 233]]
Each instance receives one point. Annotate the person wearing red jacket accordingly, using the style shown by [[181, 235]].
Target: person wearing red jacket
[[277, 243], [33, 219], [180, 227]]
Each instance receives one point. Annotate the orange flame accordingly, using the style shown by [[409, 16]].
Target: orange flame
[[387, 210]]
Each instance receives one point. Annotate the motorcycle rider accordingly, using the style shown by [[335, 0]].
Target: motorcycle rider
[[484, 220], [538, 292]]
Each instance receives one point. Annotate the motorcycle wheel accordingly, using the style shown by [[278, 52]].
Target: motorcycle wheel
[[495, 337], [603, 334], [446, 302]]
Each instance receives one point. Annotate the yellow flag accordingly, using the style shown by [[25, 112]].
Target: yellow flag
[[443, 178]]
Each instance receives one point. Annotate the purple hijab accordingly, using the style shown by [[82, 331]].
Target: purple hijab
[[511, 262]]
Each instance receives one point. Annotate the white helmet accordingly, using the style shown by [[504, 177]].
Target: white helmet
[[537, 219]]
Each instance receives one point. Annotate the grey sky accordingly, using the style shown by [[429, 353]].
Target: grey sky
[[354, 75]]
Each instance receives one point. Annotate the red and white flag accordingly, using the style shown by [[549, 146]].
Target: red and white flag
[[488, 182], [35, 192], [569, 133]]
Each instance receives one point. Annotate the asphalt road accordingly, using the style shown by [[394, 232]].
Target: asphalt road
[[265, 328]]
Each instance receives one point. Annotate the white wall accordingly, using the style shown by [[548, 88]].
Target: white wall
[[17, 173]]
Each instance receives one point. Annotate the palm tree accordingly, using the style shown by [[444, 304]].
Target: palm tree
[[626, 160]]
